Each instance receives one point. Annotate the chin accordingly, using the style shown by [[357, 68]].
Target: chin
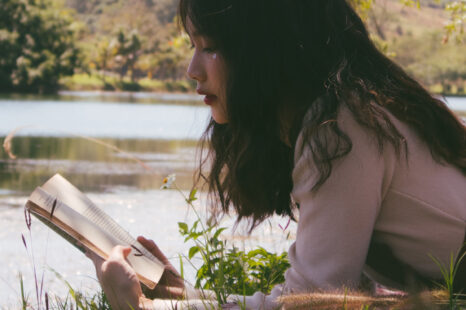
[[220, 121], [219, 118]]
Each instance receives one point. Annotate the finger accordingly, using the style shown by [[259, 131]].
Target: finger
[[143, 239], [167, 292], [171, 277], [126, 252], [154, 249], [97, 261], [88, 253], [119, 252], [148, 244]]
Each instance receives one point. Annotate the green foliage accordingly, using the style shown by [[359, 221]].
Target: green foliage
[[229, 270], [226, 270], [362, 7], [147, 44], [38, 46], [127, 49], [455, 27]]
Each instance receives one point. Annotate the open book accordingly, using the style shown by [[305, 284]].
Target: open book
[[67, 211]]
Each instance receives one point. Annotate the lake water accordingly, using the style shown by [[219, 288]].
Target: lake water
[[55, 134]]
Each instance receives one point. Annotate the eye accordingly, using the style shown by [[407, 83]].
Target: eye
[[209, 50]]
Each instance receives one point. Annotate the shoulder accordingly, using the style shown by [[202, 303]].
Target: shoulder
[[355, 150]]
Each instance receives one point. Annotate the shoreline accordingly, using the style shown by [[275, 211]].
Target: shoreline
[[162, 94]]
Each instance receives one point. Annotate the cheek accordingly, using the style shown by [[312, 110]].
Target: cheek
[[220, 71]]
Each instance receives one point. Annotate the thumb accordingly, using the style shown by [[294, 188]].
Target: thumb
[[126, 252], [120, 252]]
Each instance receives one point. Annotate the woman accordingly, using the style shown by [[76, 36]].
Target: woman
[[308, 114]]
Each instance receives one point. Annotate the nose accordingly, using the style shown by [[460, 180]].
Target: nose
[[196, 68]]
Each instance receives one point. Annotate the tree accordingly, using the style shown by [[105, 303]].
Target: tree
[[37, 45], [128, 49]]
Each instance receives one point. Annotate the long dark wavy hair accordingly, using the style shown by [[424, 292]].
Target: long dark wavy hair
[[281, 56]]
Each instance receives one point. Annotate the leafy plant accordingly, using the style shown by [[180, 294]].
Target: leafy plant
[[38, 46], [228, 270]]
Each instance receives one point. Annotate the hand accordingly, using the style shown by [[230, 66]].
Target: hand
[[171, 285], [117, 278]]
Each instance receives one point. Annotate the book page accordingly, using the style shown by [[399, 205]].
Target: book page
[[148, 267], [63, 190]]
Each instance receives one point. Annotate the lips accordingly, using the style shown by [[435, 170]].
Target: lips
[[209, 98]]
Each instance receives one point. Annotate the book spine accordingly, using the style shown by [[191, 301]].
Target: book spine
[[60, 232]]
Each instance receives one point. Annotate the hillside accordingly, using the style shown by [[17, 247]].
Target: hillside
[[414, 38]]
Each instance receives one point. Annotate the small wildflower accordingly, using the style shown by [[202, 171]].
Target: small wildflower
[[168, 181]]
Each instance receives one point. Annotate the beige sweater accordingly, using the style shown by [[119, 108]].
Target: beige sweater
[[417, 207]]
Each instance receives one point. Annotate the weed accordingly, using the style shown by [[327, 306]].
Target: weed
[[448, 273], [225, 270]]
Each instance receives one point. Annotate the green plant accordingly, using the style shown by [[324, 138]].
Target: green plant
[[228, 270], [448, 273]]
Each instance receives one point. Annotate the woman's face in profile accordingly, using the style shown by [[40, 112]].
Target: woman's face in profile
[[208, 68]]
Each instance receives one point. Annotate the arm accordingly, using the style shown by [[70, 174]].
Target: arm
[[336, 221]]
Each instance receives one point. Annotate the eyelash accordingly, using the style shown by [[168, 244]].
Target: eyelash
[[209, 50]]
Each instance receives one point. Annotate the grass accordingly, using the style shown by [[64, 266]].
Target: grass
[[448, 273], [43, 300]]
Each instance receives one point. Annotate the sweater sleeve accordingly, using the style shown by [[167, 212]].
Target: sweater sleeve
[[336, 221]]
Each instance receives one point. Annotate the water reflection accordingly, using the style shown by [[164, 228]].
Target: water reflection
[[95, 167], [114, 97]]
